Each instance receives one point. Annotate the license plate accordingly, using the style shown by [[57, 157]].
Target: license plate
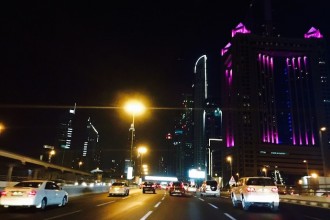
[[17, 194]]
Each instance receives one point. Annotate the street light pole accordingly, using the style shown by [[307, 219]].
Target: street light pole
[[133, 107], [322, 151], [229, 159], [132, 129], [141, 150], [305, 161], [210, 164]]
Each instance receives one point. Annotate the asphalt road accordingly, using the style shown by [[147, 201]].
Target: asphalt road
[[160, 206]]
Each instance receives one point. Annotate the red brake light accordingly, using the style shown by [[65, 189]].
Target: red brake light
[[32, 193], [275, 189], [250, 189], [3, 193]]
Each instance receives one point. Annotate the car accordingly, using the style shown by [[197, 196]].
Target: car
[[149, 187], [210, 188], [192, 188], [255, 191], [119, 188], [34, 193], [177, 188]]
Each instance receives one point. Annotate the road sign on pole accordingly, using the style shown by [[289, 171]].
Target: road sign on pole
[[232, 181]]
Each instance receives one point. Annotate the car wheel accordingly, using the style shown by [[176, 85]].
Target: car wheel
[[43, 204], [64, 201], [274, 207], [154, 191], [245, 204], [234, 201], [143, 191], [127, 192]]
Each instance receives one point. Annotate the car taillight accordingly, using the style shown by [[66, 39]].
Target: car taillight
[[250, 189], [3, 193], [274, 189], [32, 193]]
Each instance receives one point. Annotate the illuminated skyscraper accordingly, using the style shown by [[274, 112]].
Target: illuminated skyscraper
[[91, 154], [275, 94], [200, 96], [65, 135], [183, 139]]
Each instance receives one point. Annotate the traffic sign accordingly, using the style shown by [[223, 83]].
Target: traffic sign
[[232, 181]]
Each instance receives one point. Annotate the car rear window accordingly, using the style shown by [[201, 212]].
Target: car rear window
[[118, 184], [260, 182], [28, 184], [177, 184], [211, 183]]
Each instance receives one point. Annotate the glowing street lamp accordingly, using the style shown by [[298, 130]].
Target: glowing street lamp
[[230, 160], [141, 150], [51, 154], [80, 163], [2, 127], [264, 169]]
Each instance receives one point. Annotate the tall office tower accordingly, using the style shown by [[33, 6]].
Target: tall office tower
[[183, 138], [213, 124], [91, 154], [275, 94], [65, 136], [200, 96]]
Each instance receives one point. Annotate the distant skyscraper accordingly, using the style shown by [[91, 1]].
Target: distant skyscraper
[[183, 138], [275, 94], [65, 135], [200, 96], [91, 154]]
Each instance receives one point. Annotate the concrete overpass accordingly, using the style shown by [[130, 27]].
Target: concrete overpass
[[36, 165]]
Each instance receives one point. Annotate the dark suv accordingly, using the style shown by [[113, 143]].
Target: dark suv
[[177, 188], [148, 187]]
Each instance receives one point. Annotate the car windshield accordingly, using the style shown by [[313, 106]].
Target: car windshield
[[260, 182], [118, 184], [28, 184]]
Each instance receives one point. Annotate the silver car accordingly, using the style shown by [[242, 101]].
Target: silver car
[[119, 188]]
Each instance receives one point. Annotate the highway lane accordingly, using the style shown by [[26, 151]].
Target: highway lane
[[159, 206]]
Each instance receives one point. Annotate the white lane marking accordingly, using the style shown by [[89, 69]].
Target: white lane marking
[[229, 216], [157, 204], [105, 203], [213, 206], [146, 215], [201, 199], [163, 198], [60, 216]]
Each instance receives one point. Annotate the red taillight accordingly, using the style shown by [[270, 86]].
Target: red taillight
[[275, 189], [250, 189], [32, 193], [3, 193]]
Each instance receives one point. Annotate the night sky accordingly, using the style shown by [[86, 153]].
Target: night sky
[[57, 53]]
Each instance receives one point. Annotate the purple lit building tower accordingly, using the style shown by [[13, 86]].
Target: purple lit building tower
[[275, 94]]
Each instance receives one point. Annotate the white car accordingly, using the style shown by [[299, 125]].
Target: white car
[[34, 193], [119, 188], [210, 188], [192, 189], [255, 191]]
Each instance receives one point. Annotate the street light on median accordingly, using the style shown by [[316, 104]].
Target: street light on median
[[229, 159], [141, 150], [134, 108], [322, 129]]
